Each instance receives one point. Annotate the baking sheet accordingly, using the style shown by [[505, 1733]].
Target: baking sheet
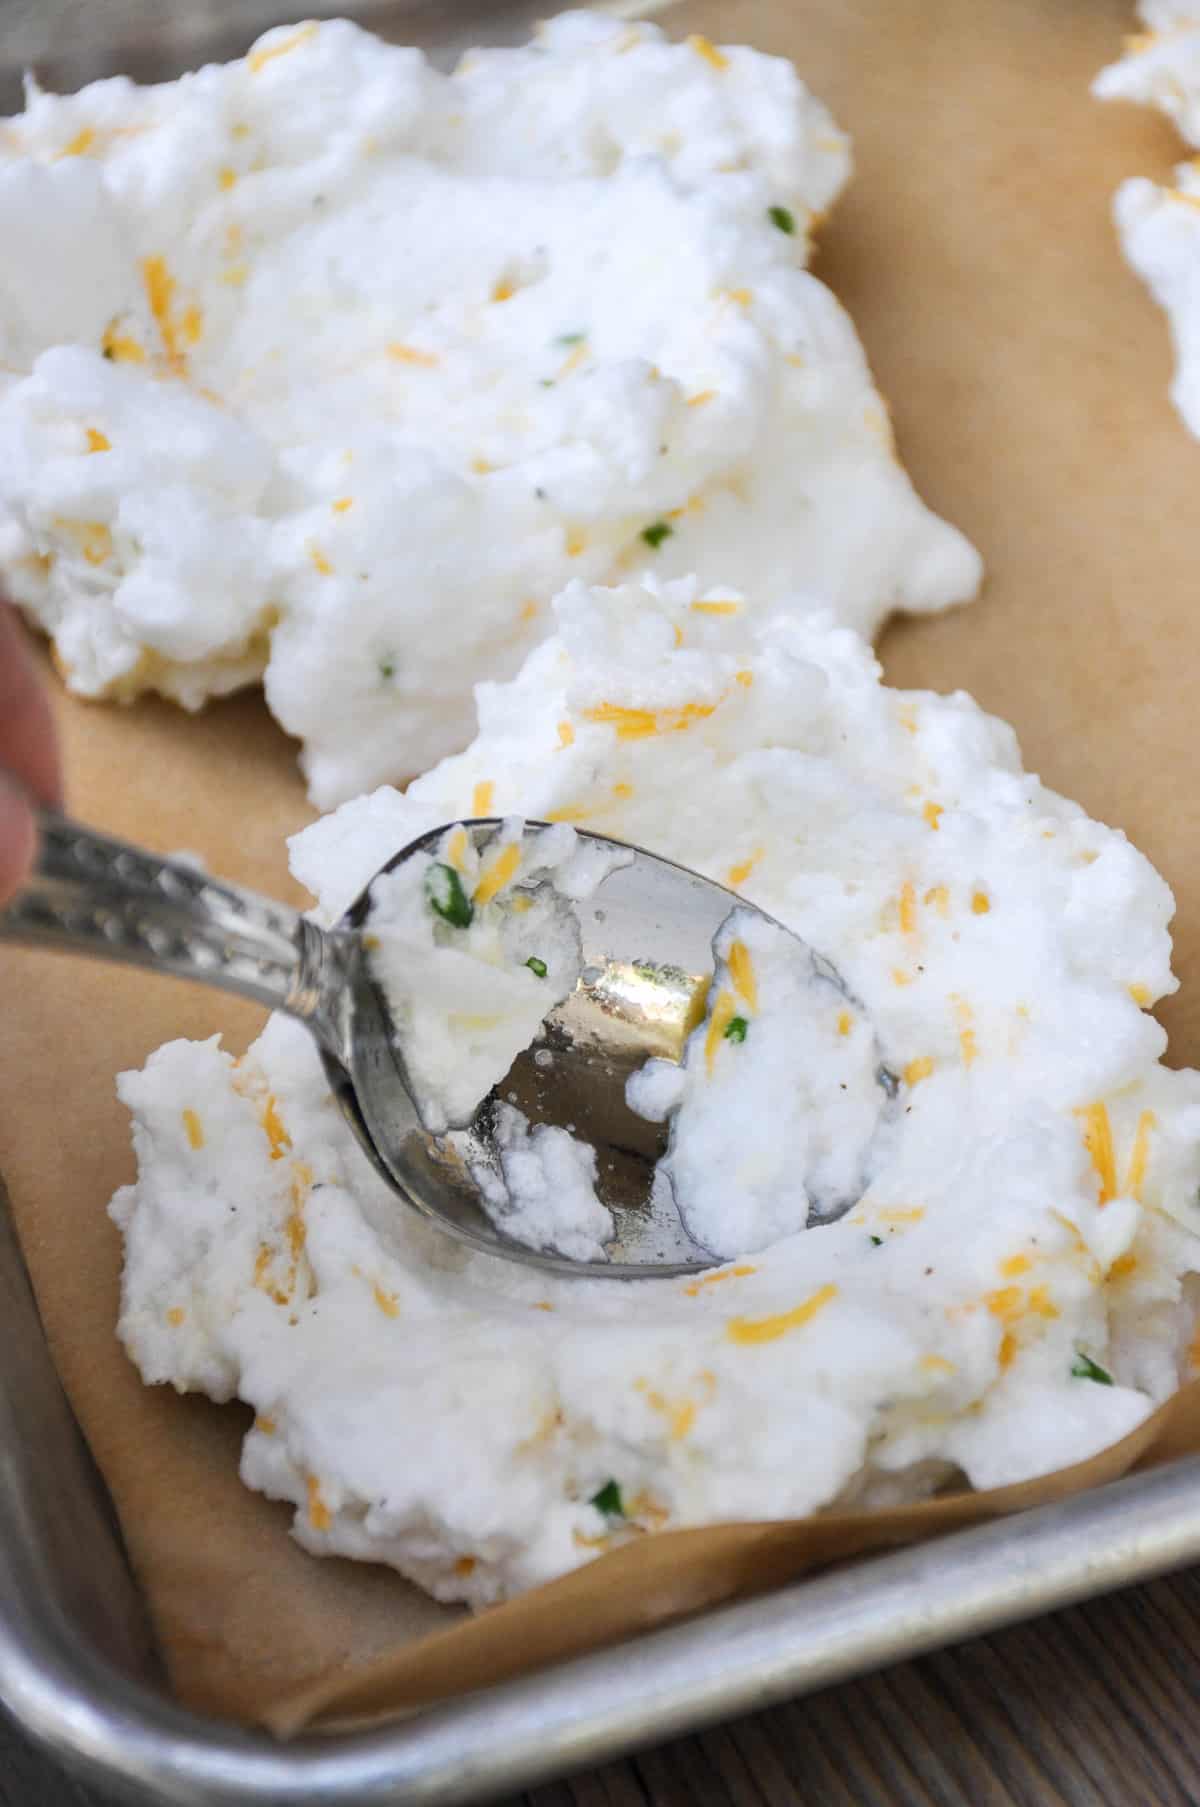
[[1027, 373]]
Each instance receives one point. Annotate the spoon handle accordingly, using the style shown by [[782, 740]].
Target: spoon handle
[[91, 894]]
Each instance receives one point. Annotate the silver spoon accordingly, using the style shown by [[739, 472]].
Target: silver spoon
[[647, 936]]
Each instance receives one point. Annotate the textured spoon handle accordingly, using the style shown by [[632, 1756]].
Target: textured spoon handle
[[91, 894]]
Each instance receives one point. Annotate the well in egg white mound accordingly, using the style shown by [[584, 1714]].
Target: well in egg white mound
[[335, 369], [1159, 226], [454, 1415]]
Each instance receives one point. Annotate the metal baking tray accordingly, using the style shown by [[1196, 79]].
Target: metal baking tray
[[77, 1665]]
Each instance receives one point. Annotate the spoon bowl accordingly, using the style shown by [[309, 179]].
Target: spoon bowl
[[646, 935]]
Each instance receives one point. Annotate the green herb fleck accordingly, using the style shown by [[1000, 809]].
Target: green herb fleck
[[447, 899], [608, 1500], [736, 1028], [110, 354], [547, 382], [656, 533], [387, 668], [537, 967], [1084, 1368], [878, 1241], [779, 216], [570, 338]]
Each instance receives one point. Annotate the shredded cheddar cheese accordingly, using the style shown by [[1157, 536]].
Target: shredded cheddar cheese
[[1139, 1156], [498, 872], [770, 1329], [387, 1302], [81, 144], [740, 1272], [272, 1124], [641, 724], [703, 48], [194, 1128], [1097, 1139], [741, 971], [410, 354], [481, 797], [160, 288], [257, 61], [319, 1515], [456, 849], [737, 875], [122, 348]]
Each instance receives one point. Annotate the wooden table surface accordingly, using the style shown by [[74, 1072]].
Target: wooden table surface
[[1093, 1707]]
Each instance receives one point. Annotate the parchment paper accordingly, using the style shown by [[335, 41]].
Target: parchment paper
[[1027, 372]]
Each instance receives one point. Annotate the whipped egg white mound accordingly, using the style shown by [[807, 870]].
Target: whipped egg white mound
[[1012, 1289], [325, 367], [1159, 226]]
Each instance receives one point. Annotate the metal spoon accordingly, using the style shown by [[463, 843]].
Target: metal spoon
[[647, 950]]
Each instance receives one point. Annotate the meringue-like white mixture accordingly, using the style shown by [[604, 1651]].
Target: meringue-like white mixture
[[1011, 1291], [330, 368], [1159, 225], [472, 953], [782, 1044], [473, 950]]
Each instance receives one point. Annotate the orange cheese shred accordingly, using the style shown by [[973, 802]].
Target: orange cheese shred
[[1097, 1139], [770, 1329], [1139, 1156], [498, 873], [741, 971]]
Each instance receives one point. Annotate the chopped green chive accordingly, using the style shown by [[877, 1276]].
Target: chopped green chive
[[656, 533], [387, 669], [608, 1500], [447, 899], [570, 338], [878, 1241], [779, 216], [1084, 1368], [735, 1029], [537, 967]]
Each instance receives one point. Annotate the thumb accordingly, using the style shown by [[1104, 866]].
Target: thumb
[[17, 837]]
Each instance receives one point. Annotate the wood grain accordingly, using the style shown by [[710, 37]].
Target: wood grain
[[1095, 1707]]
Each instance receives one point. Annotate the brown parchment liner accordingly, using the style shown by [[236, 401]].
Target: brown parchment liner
[[1028, 374]]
